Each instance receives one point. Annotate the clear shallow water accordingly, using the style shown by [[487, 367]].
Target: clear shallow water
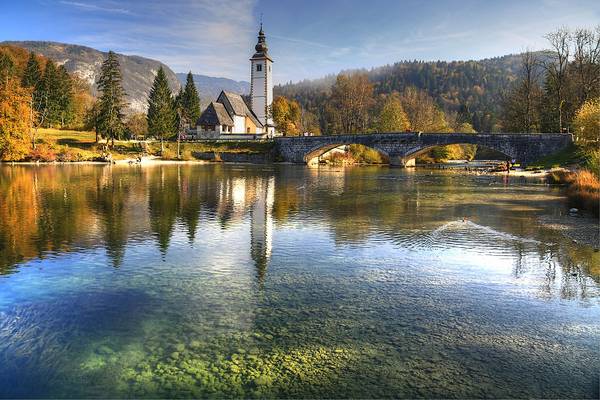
[[282, 281]]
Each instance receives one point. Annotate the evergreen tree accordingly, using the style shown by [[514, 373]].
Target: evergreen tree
[[49, 92], [111, 103], [162, 120], [190, 101], [65, 96], [33, 74], [7, 68]]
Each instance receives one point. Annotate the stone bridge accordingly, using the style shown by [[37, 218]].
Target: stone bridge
[[402, 148]]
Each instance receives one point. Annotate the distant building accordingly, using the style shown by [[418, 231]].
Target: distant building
[[229, 114]]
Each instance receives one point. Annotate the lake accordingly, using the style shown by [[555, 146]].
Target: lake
[[190, 280]]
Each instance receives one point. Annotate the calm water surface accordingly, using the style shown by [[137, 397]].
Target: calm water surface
[[283, 281]]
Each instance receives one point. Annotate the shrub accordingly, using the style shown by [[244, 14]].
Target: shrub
[[168, 154], [43, 153], [583, 189]]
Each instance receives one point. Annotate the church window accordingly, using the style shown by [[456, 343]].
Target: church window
[[258, 67]]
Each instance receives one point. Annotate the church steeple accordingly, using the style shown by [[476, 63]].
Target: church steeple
[[261, 47], [261, 83]]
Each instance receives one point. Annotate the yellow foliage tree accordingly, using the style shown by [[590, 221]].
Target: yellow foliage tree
[[286, 115], [392, 117], [15, 118], [587, 120]]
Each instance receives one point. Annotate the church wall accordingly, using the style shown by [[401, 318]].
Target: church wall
[[239, 124]]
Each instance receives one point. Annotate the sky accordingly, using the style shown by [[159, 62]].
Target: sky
[[307, 39]]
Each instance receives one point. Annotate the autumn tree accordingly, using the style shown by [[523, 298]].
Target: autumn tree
[[91, 119], [286, 115], [424, 115], [15, 114], [557, 74], [309, 123], [392, 117], [137, 125], [585, 68], [586, 123], [161, 109], [111, 102], [350, 103], [521, 105]]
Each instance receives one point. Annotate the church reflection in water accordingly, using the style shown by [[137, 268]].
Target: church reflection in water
[[227, 215], [261, 225]]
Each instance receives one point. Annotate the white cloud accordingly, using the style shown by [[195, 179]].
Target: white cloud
[[97, 6], [207, 37]]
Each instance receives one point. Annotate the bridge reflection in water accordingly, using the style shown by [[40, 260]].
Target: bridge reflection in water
[[227, 216]]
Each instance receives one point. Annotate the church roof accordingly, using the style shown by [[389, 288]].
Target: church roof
[[215, 114], [235, 105]]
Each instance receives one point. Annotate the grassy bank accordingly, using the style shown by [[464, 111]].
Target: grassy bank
[[72, 146], [188, 150], [582, 188], [581, 175]]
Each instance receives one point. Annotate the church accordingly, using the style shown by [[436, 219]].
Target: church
[[230, 117]]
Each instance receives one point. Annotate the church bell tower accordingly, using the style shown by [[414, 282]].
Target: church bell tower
[[261, 84]]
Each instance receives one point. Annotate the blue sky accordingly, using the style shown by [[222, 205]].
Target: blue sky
[[307, 39]]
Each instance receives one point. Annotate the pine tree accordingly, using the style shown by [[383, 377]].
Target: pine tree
[[49, 92], [190, 101], [111, 102], [161, 109], [65, 96], [7, 68], [33, 74]]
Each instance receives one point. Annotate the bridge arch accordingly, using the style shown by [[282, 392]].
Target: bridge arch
[[400, 148], [412, 154], [319, 150]]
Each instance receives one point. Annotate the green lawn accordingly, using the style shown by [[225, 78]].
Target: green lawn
[[83, 144]]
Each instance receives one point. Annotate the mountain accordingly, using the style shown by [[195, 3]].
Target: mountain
[[471, 88], [138, 72], [210, 87]]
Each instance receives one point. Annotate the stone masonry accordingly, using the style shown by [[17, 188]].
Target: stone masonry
[[402, 148]]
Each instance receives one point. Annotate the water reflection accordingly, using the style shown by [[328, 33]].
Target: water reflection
[[52, 210], [281, 281]]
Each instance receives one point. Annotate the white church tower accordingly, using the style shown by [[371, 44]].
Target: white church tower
[[261, 84]]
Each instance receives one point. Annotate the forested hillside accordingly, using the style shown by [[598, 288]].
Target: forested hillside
[[138, 72], [471, 88]]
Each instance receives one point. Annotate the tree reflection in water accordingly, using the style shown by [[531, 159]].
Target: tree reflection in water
[[53, 210]]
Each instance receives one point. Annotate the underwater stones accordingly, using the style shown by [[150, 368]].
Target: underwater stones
[[104, 350], [94, 362], [180, 347]]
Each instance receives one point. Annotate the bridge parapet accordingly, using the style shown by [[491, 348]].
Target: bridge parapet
[[403, 147]]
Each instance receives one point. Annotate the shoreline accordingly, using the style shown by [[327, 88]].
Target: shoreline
[[155, 160]]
